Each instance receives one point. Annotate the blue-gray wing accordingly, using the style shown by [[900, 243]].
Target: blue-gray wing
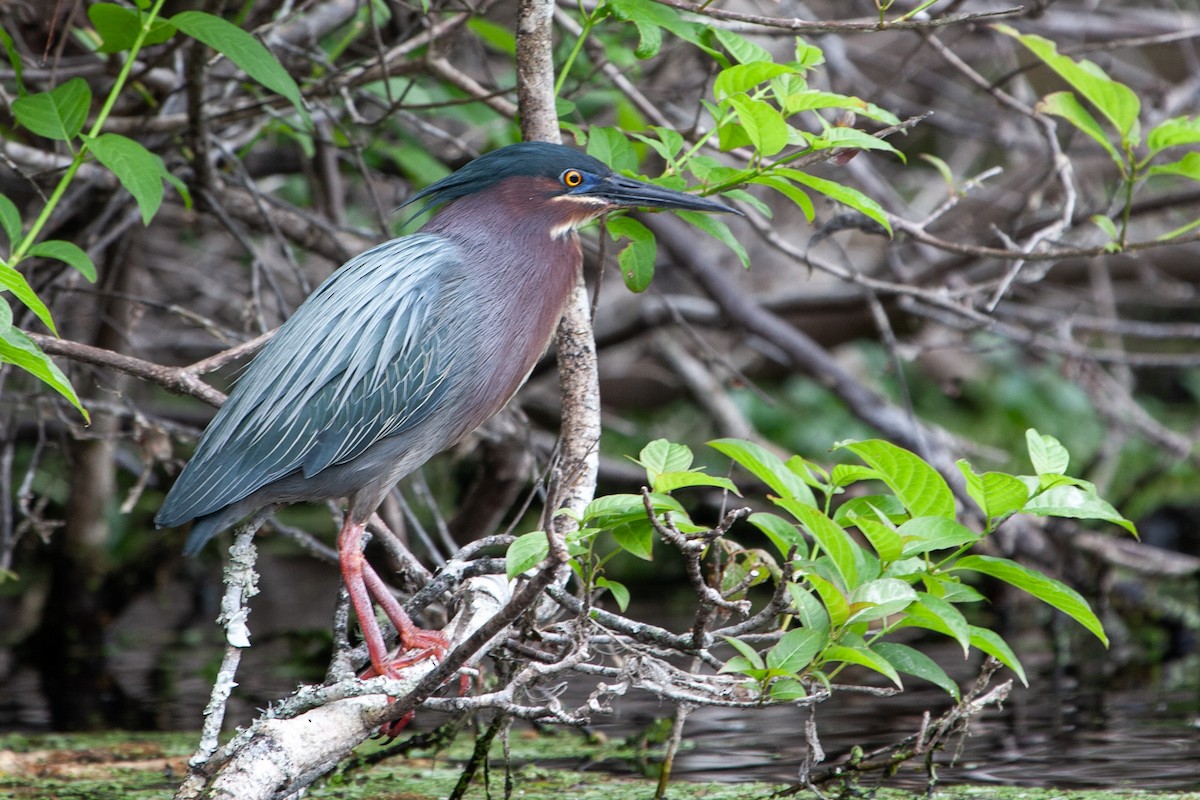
[[360, 360]]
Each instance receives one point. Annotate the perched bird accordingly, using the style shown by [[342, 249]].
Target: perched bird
[[400, 353]]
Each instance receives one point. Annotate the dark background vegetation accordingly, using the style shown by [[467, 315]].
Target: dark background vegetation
[[103, 623]]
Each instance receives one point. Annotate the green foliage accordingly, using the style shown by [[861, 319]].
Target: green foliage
[[914, 570], [1118, 131], [61, 113]]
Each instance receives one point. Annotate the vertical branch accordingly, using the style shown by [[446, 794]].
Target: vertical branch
[[578, 378]]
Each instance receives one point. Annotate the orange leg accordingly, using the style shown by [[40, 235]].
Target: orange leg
[[365, 588]]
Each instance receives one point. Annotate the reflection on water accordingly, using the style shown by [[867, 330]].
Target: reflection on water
[[1051, 735]]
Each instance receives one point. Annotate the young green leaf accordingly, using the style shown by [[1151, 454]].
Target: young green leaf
[[525, 553], [836, 605], [783, 534], [788, 190], [996, 493], [138, 170], [68, 253], [57, 114], [10, 221], [795, 650], [925, 534], [830, 537], [747, 651], [742, 49], [1172, 133], [935, 613], [913, 662], [785, 689], [810, 611], [1116, 101], [1044, 588], [1067, 106], [719, 231], [242, 49], [661, 456], [1186, 167], [991, 643], [610, 146], [1047, 453], [1075, 503], [859, 653], [845, 195], [119, 26], [636, 538], [670, 481], [618, 590], [15, 282], [767, 467], [18, 349], [883, 537], [764, 124], [919, 486], [636, 259], [880, 598]]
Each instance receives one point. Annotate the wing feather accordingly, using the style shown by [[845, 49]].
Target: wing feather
[[363, 358]]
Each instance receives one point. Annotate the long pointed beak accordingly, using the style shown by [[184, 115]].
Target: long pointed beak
[[621, 191]]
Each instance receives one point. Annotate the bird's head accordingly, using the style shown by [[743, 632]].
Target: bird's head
[[580, 186]]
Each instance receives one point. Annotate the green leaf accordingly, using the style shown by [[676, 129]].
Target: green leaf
[[748, 652], [785, 689], [864, 656], [57, 114], [883, 538], [740, 78], [618, 509], [795, 650], [742, 49], [717, 229], [1067, 106], [636, 538], [1075, 503], [990, 642], [1172, 133], [919, 486], [996, 493], [1116, 101], [610, 146], [935, 613], [525, 553], [138, 170], [834, 600], [880, 598], [68, 253], [913, 662], [18, 349], [242, 49], [14, 61], [813, 99], [635, 259], [810, 611], [791, 192], [618, 590], [661, 456], [926, 534], [651, 19], [15, 282], [502, 38], [10, 221], [1186, 167], [764, 124], [1044, 588], [830, 537], [119, 27], [1047, 453], [767, 467], [843, 194], [783, 534], [670, 481]]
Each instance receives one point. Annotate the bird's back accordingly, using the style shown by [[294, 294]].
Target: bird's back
[[363, 358]]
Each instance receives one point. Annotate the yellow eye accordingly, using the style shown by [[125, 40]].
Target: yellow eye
[[572, 178]]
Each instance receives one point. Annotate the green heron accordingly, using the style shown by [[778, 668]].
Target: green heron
[[400, 353]]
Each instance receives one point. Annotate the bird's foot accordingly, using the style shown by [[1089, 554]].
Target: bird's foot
[[419, 644]]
